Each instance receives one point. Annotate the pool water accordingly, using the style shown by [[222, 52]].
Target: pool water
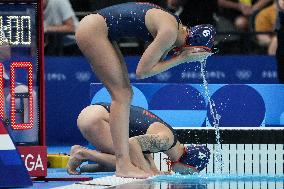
[[215, 177], [209, 182], [222, 181]]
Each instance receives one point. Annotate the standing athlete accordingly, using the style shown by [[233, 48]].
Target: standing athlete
[[96, 36]]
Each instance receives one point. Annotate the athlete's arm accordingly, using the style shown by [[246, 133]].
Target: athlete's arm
[[153, 167], [153, 142], [229, 4], [165, 54], [260, 4], [137, 156], [152, 63]]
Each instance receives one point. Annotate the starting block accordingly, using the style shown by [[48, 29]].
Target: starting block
[[13, 172]]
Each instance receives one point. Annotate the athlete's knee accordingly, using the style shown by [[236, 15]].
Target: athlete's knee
[[90, 26], [88, 121], [81, 34], [82, 123]]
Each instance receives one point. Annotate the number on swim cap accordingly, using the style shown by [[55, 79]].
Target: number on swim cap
[[206, 33]]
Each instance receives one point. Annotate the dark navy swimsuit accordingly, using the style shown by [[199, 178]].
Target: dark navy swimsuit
[[140, 120], [128, 20]]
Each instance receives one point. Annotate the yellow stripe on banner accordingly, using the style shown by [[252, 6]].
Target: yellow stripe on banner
[[6, 143]]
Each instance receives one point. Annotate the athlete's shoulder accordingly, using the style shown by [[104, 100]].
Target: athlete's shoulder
[[162, 17]]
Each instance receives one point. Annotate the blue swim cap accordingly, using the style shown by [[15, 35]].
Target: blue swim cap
[[196, 156], [201, 36]]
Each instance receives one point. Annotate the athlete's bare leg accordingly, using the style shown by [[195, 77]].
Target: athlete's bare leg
[[80, 154], [93, 41], [93, 122]]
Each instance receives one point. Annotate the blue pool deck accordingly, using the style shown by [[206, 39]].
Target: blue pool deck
[[168, 182]]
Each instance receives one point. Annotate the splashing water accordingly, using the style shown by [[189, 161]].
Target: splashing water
[[216, 118]]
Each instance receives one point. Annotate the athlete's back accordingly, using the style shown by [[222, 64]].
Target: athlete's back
[[128, 19]]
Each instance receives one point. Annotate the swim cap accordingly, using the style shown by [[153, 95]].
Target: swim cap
[[201, 36], [196, 156]]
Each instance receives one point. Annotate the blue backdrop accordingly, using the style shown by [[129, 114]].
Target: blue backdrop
[[68, 84], [186, 105]]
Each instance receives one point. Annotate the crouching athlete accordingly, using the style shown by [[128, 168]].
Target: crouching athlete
[[147, 134]]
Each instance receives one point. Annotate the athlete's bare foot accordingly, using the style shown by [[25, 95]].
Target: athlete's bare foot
[[75, 148], [75, 159], [128, 170]]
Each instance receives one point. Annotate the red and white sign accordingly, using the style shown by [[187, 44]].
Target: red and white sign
[[35, 159]]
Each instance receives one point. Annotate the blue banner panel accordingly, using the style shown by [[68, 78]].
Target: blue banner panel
[[68, 83], [186, 105], [219, 69]]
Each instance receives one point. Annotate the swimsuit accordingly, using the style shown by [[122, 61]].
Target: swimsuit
[[140, 120], [128, 20]]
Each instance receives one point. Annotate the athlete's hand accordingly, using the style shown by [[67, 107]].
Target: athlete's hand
[[191, 54], [154, 169], [245, 9], [137, 157]]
